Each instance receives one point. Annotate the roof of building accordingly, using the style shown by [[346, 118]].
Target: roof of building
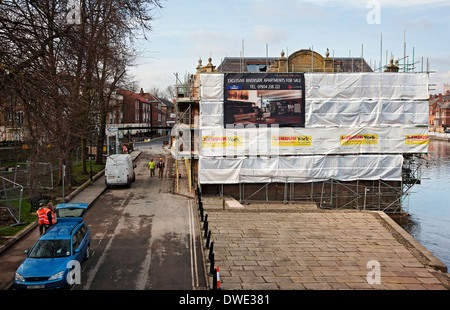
[[238, 64], [132, 95], [144, 97], [166, 102]]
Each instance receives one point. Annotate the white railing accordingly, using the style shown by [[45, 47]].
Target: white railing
[[439, 135]]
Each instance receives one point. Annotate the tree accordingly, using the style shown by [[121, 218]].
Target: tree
[[64, 69]]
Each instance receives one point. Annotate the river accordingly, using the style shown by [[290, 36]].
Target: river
[[429, 203]]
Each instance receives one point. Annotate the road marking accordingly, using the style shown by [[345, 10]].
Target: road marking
[[192, 247], [142, 278], [100, 261]]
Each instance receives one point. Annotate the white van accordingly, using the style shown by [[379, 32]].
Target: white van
[[119, 170]]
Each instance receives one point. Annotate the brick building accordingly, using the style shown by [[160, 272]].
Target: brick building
[[439, 117]]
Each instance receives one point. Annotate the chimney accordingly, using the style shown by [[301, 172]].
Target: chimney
[[141, 92]]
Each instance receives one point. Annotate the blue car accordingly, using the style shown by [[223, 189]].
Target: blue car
[[54, 260]]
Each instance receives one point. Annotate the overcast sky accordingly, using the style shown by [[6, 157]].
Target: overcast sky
[[186, 30]]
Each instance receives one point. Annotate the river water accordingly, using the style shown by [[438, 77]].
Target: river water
[[429, 203]]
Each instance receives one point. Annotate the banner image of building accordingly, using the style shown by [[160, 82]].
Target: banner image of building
[[264, 98]]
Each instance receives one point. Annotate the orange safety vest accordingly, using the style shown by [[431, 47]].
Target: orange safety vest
[[42, 216]]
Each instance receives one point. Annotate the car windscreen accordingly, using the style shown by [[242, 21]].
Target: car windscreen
[[50, 249], [70, 212]]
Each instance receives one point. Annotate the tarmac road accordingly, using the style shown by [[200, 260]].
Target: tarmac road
[[143, 237]]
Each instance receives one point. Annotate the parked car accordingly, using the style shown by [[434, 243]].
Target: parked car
[[51, 261], [447, 130], [119, 170]]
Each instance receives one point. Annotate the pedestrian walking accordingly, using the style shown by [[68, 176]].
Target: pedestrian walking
[[46, 217], [160, 168], [151, 167]]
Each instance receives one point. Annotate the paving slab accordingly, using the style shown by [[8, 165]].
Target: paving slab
[[269, 246]]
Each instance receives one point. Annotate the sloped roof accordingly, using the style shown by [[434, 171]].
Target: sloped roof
[[234, 64], [132, 95], [166, 102]]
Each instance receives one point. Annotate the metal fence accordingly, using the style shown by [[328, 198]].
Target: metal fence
[[11, 194]]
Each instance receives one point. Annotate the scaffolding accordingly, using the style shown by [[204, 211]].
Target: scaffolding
[[399, 134], [373, 195]]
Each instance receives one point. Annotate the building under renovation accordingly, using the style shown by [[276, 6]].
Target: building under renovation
[[303, 128]]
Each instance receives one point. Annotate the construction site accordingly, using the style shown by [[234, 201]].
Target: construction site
[[303, 129]]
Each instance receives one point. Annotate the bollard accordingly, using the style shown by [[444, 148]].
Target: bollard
[[214, 280], [206, 221], [201, 214], [211, 268], [206, 229], [211, 249], [208, 239], [218, 278]]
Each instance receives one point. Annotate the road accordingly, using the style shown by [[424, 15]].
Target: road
[[144, 237]]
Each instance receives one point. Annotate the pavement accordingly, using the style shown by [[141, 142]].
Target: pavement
[[263, 246]]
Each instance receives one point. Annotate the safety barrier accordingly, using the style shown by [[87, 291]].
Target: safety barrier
[[209, 245]]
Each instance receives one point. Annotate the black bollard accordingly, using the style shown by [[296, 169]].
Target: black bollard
[[206, 229], [208, 239], [211, 268], [215, 279], [206, 221], [201, 214], [211, 249]]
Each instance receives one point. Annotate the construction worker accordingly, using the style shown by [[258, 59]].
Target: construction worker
[[152, 166], [160, 168], [46, 217]]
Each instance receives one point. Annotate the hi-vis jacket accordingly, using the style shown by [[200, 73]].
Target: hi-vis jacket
[[43, 217]]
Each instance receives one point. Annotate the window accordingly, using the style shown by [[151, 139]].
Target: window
[[256, 67], [20, 118], [75, 242], [50, 248]]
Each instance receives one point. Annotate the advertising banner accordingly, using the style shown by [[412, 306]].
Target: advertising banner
[[264, 99], [273, 141]]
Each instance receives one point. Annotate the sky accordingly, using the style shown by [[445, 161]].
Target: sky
[[185, 31]]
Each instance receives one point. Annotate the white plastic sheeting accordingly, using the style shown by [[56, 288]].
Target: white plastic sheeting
[[357, 125], [211, 114], [348, 113], [300, 169], [342, 100], [211, 86], [367, 86]]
